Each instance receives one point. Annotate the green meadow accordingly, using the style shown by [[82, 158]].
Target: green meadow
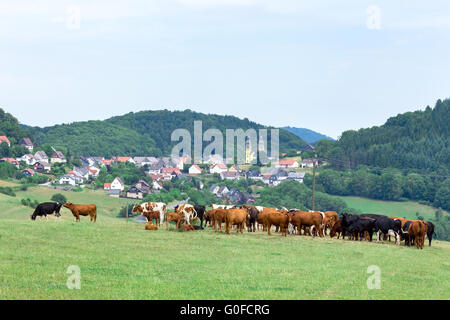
[[120, 260]]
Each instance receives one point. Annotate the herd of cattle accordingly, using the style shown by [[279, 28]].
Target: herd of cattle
[[313, 223]]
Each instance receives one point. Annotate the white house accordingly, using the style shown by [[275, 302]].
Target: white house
[[41, 156], [195, 170], [218, 168], [58, 157], [70, 179], [309, 163], [26, 142], [288, 164], [117, 184], [29, 159]]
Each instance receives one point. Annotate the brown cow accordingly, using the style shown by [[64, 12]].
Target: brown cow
[[150, 226], [236, 217], [219, 217], [279, 218], [209, 216], [151, 206], [188, 227], [82, 210], [417, 231], [331, 217], [176, 217], [336, 229], [152, 215], [311, 219]]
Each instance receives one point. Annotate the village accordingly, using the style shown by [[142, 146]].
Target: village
[[67, 174]]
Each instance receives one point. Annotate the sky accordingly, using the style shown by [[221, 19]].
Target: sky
[[326, 65]]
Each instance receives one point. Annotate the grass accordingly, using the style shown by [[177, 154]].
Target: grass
[[123, 261], [406, 209]]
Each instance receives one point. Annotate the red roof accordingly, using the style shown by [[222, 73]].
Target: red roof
[[287, 162], [123, 159], [155, 176], [27, 141], [106, 185], [171, 170], [31, 171], [4, 139], [220, 165]]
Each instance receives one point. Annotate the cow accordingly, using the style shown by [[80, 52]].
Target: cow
[[279, 218], [261, 216], [82, 210], [151, 206], [330, 219], [362, 225], [151, 226], [236, 217], [253, 213], [188, 210], [346, 221], [188, 227], [430, 232], [173, 216], [152, 215], [417, 231], [200, 213], [388, 226], [336, 229], [45, 208], [209, 217], [311, 220], [219, 218]]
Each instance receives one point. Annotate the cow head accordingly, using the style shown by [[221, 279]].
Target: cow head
[[137, 208], [33, 217], [68, 205]]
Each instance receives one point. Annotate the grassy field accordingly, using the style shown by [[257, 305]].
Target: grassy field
[[123, 261], [405, 209]]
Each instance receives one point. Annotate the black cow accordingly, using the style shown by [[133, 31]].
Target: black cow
[[251, 218], [45, 208], [346, 221], [360, 225], [405, 233], [388, 226], [200, 212], [430, 231]]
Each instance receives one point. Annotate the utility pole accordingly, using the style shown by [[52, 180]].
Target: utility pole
[[127, 213], [314, 183]]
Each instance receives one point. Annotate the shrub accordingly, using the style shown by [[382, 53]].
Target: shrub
[[59, 197]]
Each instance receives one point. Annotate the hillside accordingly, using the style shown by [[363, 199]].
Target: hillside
[[308, 135], [414, 140], [142, 133]]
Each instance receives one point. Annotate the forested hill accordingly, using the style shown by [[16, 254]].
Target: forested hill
[[308, 135], [10, 127], [142, 133], [417, 140]]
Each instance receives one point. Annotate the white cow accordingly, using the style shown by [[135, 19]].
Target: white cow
[[152, 206]]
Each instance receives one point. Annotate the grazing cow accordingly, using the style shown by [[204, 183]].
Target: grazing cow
[[173, 216], [209, 217], [346, 221], [45, 208], [200, 213], [188, 227], [219, 218], [388, 226], [236, 217], [430, 231], [417, 231], [336, 229], [253, 213], [362, 225], [82, 210], [151, 206], [188, 210], [151, 226], [262, 214], [279, 218], [311, 220], [330, 219], [152, 215]]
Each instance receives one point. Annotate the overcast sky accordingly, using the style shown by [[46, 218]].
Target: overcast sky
[[325, 65]]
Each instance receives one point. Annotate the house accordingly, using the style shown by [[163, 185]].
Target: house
[[230, 175], [218, 168], [94, 171], [26, 142], [156, 177], [29, 159], [107, 163], [308, 148], [156, 185], [309, 163], [144, 186], [156, 167], [70, 179], [237, 197], [125, 160], [107, 186], [115, 193], [234, 168], [41, 156], [213, 159], [180, 162], [117, 184], [4, 139], [12, 161], [135, 192], [253, 174], [42, 166], [169, 173], [219, 191], [287, 164], [195, 170], [27, 172], [214, 189], [296, 176], [58, 157], [82, 172], [142, 161]]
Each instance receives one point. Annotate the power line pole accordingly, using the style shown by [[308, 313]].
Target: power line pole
[[314, 183]]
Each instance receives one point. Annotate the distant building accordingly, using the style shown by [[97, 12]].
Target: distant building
[[135, 192], [27, 172], [42, 167], [41, 156], [4, 139], [218, 168], [230, 175], [58, 157], [195, 170], [117, 184], [114, 193], [29, 159], [309, 163], [26, 142], [288, 164]]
